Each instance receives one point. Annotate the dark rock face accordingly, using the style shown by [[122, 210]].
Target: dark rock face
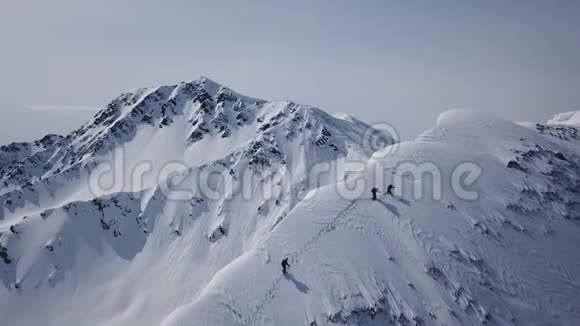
[[560, 132], [20, 162], [540, 163], [4, 255], [220, 114]]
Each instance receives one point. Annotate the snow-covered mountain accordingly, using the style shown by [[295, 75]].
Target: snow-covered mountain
[[176, 204]]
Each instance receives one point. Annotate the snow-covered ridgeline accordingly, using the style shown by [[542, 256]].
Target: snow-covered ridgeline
[[134, 255]]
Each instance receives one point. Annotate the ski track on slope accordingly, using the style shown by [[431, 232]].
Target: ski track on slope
[[298, 255]]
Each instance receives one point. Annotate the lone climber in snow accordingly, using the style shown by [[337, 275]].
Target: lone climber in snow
[[374, 191], [390, 189], [285, 265]]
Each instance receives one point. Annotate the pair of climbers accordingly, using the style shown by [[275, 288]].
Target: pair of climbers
[[375, 190]]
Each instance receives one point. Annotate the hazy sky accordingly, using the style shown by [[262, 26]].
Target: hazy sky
[[402, 62]]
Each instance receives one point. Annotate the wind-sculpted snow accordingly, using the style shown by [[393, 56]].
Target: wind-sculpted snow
[[571, 118], [483, 226]]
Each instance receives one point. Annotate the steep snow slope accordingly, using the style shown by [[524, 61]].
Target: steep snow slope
[[507, 258], [157, 241], [165, 248]]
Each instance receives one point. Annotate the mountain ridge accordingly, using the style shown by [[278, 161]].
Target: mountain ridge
[[165, 248]]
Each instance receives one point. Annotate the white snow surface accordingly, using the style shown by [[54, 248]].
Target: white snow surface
[[133, 255], [571, 118]]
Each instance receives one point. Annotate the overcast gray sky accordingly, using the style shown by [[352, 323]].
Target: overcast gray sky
[[403, 62]]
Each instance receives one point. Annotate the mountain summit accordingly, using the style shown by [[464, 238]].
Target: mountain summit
[[175, 205]]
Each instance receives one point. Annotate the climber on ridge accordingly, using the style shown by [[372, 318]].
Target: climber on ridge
[[285, 265], [374, 191], [390, 189]]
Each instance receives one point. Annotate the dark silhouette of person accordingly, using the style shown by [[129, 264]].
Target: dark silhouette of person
[[374, 191], [390, 189], [285, 265]]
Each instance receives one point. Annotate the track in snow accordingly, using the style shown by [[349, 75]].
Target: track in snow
[[298, 255]]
